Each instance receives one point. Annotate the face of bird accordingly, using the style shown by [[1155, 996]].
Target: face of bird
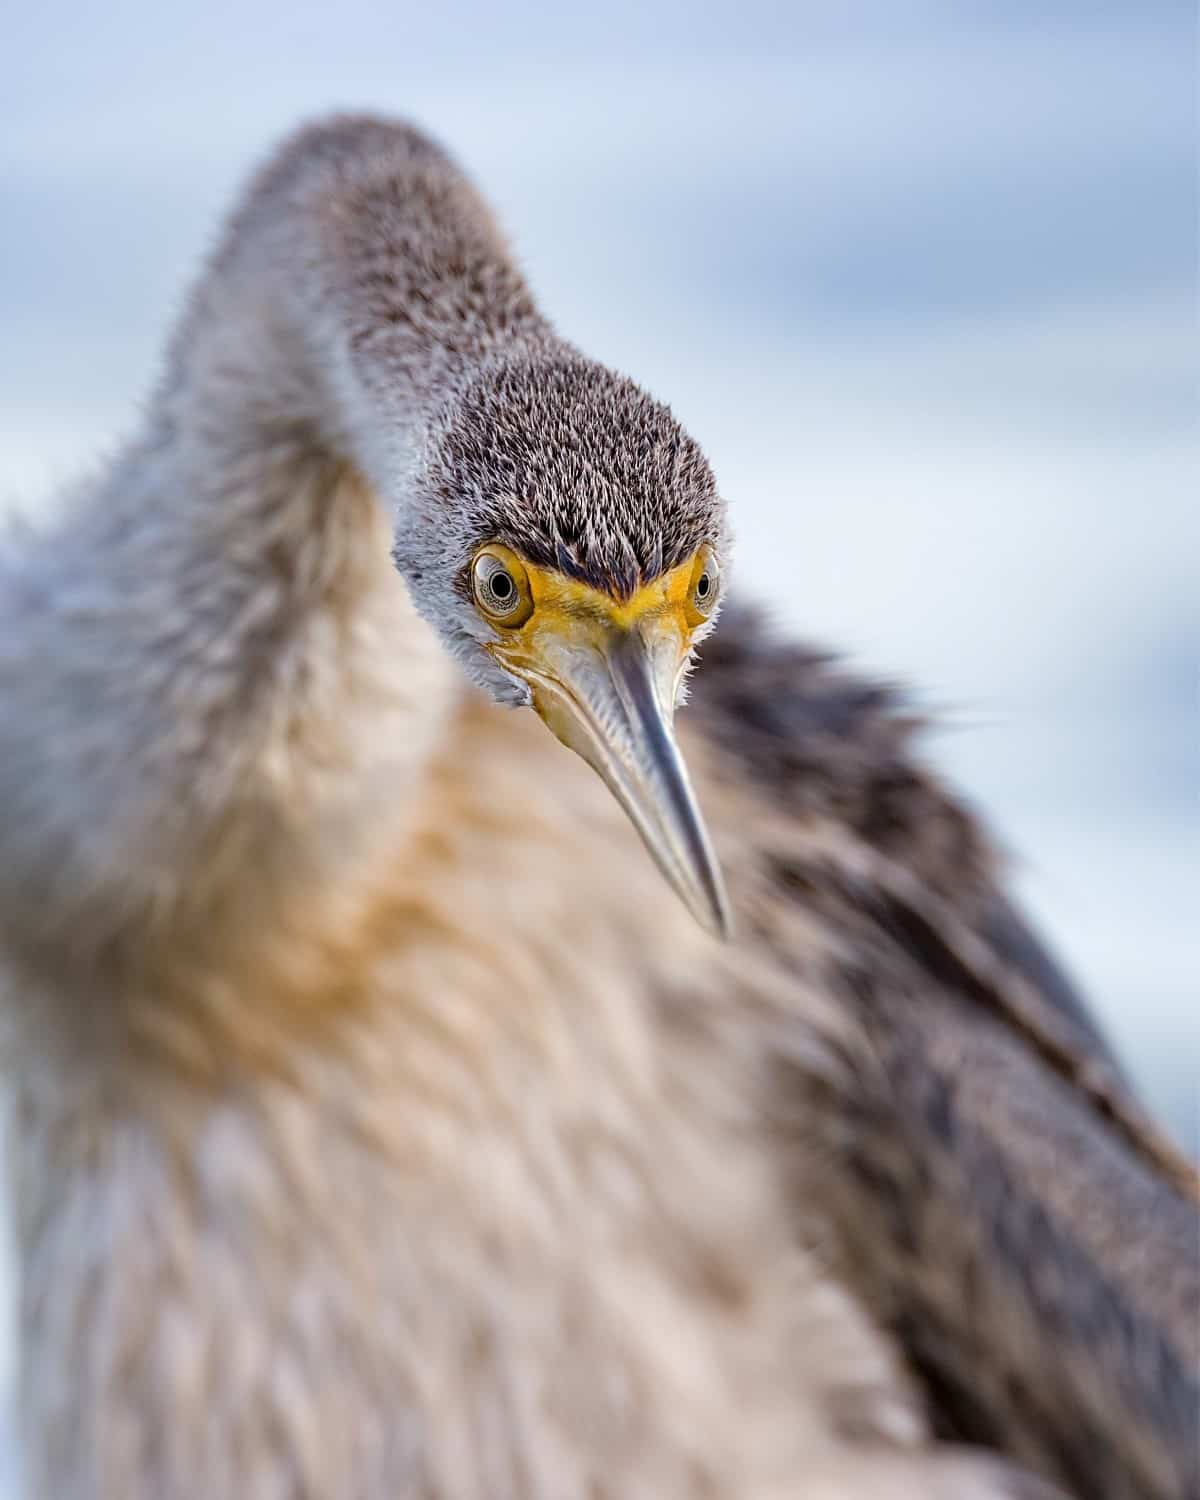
[[604, 675], [567, 544]]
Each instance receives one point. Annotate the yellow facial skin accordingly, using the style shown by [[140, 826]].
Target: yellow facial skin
[[557, 607], [604, 674]]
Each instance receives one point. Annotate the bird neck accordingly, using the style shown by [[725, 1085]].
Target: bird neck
[[209, 669], [361, 285]]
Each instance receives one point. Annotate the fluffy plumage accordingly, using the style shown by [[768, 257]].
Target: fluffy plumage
[[981, 1162], [577, 469], [381, 1124]]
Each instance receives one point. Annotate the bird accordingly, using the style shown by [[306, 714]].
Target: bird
[[406, 1101]]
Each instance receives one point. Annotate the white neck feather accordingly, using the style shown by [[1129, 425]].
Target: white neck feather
[[209, 655]]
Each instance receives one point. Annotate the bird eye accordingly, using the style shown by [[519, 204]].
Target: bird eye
[[706, 587], [501, 587]]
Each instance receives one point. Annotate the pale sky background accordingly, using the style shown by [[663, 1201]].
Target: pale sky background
[[921, 276]]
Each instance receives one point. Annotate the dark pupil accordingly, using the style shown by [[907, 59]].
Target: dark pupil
[[702, 586], [502, 586]]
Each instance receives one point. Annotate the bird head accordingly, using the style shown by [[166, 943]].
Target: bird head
[[567, 542]]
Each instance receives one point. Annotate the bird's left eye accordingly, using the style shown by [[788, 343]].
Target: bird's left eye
[[706, 587], [501, 586]]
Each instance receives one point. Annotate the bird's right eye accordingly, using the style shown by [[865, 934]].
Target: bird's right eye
[[501, 586]]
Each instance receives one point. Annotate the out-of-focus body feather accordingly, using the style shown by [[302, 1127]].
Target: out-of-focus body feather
[[382, 1125]]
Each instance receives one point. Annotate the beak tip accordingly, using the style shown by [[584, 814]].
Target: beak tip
[[720, 926], [708, 903]]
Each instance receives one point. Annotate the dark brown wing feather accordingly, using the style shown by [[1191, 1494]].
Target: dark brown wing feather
[[976, 1166]]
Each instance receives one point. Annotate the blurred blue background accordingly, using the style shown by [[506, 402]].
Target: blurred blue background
[[921, 277]]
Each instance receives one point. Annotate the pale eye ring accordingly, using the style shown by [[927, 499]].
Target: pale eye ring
[[498, 590], [706, 586]]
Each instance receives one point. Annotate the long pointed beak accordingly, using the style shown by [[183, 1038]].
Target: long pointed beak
[[611, 699]]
